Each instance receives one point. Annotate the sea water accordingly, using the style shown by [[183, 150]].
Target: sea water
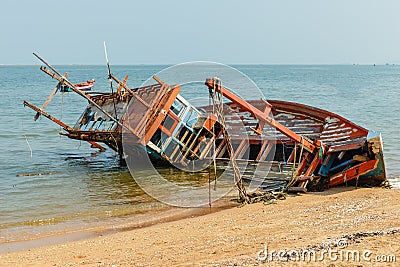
[[81, 187]]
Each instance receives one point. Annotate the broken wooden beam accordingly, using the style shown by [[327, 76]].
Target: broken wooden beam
[[57, 121], [297, 189], [56, 75], [121, 85], [353, 172], [129, 90], [50, 97], [214, 85], [62, 124]]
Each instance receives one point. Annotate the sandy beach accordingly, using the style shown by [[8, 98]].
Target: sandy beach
[[341, 220]]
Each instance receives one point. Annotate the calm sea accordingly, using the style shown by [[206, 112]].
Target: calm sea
[[86, 188]]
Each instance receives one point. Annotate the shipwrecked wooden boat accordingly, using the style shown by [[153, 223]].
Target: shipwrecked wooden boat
[[302, 147]]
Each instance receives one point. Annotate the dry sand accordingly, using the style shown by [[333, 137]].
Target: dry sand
[[362, 219]]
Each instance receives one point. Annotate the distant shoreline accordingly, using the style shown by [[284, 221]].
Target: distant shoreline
[[229, 64]]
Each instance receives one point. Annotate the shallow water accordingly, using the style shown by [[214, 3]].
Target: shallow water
[[85, 188]]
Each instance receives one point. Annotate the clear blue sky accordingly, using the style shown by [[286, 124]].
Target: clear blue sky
[[226, 31]]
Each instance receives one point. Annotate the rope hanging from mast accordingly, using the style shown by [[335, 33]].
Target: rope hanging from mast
[[219, 112]]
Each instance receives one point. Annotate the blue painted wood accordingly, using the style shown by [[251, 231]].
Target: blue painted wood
[[344, 164], [326, 165]]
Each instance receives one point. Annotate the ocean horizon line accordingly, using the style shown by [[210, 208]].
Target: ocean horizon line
[[229, 64]]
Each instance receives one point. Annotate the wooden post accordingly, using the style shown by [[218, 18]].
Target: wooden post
[[129, 90], [123, 82], [265, 149]]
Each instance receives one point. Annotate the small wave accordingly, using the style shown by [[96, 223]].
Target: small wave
[[35, 174], [30, 135], [394, 181], [51, 131], [7, 136]]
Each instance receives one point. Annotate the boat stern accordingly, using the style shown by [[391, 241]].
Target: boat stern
[[375, 147]]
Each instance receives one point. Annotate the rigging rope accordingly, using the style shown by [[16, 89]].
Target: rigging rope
[[30, 148], [214, 146], [112, 92], [26, 139], [294, 168], [219, 108], [61, 109]]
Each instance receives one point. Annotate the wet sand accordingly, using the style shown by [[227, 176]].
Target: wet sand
[[78, 231], [362, 219]]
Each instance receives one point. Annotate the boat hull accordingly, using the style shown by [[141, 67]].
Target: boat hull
[[279, 144]]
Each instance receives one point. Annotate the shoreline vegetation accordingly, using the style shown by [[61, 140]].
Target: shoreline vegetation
[[366, 219]]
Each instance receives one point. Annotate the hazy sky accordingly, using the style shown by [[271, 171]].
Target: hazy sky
[[226, 31]]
